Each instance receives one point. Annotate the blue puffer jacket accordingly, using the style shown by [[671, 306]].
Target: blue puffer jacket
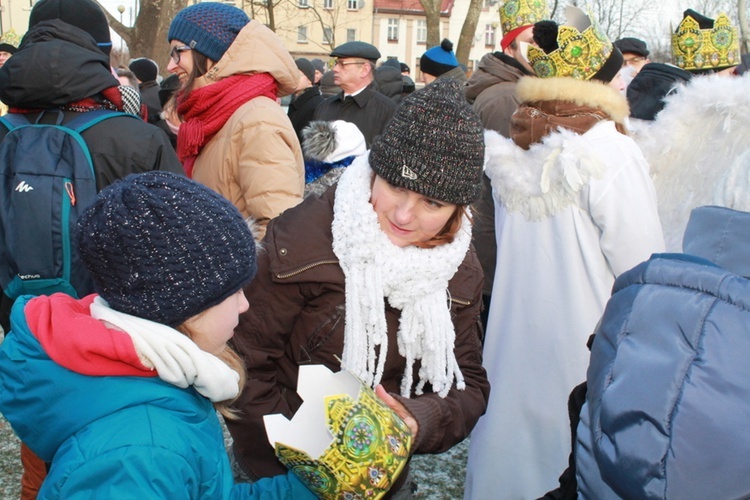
[[117, 436], [668, 404]]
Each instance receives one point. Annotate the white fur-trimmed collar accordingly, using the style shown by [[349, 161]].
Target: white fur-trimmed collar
[[548, 177]]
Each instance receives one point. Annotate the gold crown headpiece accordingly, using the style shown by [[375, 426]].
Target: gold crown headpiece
[[712, 48], [583, 48], [11, 37], [517, 13], [344, 441]]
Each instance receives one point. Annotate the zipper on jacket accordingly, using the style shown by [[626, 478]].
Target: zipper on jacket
[[460, 301], [282, 276], [68, 201]]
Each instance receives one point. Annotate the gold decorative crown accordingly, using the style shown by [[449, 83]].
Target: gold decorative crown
[[370, 448], [11, 37], [583, 48], [713, 48], [517, 13]]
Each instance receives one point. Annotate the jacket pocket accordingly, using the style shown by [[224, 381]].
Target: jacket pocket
[[322, 335]]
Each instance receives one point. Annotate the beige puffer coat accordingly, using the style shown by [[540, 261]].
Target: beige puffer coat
[[255, 160]]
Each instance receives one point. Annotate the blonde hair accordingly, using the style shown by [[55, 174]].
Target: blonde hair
[[233, 361]]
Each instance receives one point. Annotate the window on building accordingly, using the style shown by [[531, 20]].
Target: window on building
[[327, 36], [421, 31], [301, 34], [489, 35], [302, 3], [351, 35], [352, 4], [392, 29], [328, 4]]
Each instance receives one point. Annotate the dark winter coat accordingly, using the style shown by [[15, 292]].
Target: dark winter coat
[[390, 82], [369, 110], [58, 64], [492, 92], [150, 97], [297, 317], [302, 109]]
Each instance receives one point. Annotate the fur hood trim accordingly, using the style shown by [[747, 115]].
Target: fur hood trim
[[547, 178], [585, 93]]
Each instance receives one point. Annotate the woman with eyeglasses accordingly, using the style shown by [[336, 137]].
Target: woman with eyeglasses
[[234, 137]]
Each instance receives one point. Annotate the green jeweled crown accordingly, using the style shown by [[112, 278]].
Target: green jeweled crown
[[583, 48], [699, 49], [370, 448], [517, 13]]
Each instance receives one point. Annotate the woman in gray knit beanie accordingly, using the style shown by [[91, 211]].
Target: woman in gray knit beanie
[[117, 390], [377, 276]]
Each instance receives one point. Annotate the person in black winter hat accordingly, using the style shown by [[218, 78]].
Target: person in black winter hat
[[307, 97], [377, 276], [441, 62], [135, 373], [84, 14], [146, 71]]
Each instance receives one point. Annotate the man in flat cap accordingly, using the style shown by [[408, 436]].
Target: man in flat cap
[[359, 101], [634, 56]]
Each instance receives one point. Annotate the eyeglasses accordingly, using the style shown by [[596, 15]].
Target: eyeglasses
[[341, 63], [176, 51], [632, 60]]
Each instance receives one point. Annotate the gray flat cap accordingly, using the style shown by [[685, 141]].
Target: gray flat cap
[[357, 49]]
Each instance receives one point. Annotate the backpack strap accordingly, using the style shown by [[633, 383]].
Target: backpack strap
[[88, 119], [14, 120]]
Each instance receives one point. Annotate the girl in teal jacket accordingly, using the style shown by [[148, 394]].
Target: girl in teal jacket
[[119, 390]]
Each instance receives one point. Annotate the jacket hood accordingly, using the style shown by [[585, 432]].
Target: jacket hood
[[492, 69], [583, 93], [47, 403], [257, 49], [720, 235], [56, 64]]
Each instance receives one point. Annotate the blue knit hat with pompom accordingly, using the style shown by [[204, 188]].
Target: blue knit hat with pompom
[[165, 248], [438, 60], [208, 28]]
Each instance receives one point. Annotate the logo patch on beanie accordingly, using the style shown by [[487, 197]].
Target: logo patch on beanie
[[408, 173]]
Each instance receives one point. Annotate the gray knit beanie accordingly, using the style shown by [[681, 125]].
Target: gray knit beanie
[[208, 28], [433, 145], [165, 248]]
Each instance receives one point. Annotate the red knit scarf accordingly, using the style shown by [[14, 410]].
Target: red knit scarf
[[208, 108]]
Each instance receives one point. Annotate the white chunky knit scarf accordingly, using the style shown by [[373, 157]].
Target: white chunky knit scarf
[[414, 280]]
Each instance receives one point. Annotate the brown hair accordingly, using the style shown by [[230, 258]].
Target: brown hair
[[200, 68], [233, 361], [450, 229]]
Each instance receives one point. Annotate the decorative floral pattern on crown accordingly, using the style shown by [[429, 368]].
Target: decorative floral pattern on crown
[[714, 48]]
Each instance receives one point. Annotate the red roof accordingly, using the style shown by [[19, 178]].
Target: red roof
[[409, 6]]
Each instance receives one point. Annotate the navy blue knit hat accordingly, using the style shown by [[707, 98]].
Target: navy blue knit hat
[[165, 248], [208, 27], [438, 60]]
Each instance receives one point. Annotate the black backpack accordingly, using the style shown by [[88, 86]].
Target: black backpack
[[47, 180]]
